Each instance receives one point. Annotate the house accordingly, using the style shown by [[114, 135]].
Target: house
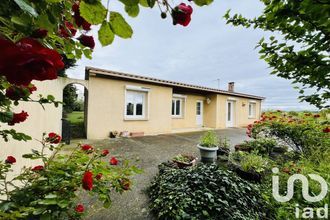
[[126, 102]]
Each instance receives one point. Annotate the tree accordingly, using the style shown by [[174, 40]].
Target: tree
[[69, 98], [303, 54]]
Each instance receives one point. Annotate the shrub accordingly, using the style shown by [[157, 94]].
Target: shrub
[[205, 192], [305, 134], [209, 139], [263, 146], [253, 162]]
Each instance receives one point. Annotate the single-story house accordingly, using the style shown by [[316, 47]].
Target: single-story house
[[126, 102]]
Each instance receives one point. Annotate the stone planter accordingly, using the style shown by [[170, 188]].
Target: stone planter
[[208, 154]]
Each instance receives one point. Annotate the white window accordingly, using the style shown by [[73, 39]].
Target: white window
[[135, 104], [252, 110], [177, 107]]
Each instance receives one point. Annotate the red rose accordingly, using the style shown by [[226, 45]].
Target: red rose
[[10, 159], [98, 176], [125, 184], [32, 88], [39, 33], [67, 30], [113, 161], [54, 138], [80, 208], [326, 130], [18, 118], [86, 147], [105, 153], [87, 41], [87, 181], [28, 60], [38, 168], [181, 14], [80, 21]]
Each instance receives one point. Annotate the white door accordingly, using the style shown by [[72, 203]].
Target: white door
[[230, 114], [199, 113]]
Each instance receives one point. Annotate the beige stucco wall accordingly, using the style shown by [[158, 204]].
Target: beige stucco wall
[[39, 121], [188, 120], [241, 116], [106, 106]]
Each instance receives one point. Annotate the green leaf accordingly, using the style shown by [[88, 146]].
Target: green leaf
[[26, 7], [43, 22], [130, 2], [22, 20], [148, 3], [6, 116], [203, 2], [119, 26], [144, 3], [54, 1], [132, 11], [93, 13], [106, 36]]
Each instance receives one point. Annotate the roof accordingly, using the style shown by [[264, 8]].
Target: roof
[[145, 79]]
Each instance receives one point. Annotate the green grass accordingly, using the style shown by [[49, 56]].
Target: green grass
[[76, 117]]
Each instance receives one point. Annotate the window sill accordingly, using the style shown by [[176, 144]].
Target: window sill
[[177, 117], [251, 117], [136, 119]]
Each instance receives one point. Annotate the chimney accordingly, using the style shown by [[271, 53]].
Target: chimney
[[231, 86]]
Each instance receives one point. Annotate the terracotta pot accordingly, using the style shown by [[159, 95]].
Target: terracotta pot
[[182, 165]]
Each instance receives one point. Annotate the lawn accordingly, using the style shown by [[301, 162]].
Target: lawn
[[75, 117]]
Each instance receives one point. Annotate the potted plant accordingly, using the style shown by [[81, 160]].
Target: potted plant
[[184, 161], [224, 147], [208, 147]]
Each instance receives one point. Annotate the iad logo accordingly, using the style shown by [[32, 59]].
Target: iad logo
[[307, 212]]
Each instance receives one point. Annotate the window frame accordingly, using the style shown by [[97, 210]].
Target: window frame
[[145, 103], [253, 106], [182, 100]]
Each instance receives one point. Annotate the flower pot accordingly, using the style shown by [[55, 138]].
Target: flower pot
[[183, 165], [223, 151], [208, 154]]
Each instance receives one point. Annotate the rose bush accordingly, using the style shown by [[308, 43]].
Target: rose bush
[[50, 190], [306, 135]]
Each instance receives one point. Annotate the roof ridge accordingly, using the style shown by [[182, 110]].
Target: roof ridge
[[169, 82]]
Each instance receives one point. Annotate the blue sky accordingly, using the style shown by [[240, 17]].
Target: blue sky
[[201, 53]]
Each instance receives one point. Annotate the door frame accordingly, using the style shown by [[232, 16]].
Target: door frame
[[231, 123], [200, 118]]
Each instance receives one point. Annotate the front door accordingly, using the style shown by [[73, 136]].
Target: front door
[[199, 113], [230, 114]]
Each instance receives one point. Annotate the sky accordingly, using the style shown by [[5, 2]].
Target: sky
[[199, 54]]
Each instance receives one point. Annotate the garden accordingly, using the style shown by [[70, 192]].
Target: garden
[[41, 39], [238, 183]]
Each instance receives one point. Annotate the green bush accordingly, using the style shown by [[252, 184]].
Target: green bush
[[209, 139], [253, 162], [263, 146], [205, 192]]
